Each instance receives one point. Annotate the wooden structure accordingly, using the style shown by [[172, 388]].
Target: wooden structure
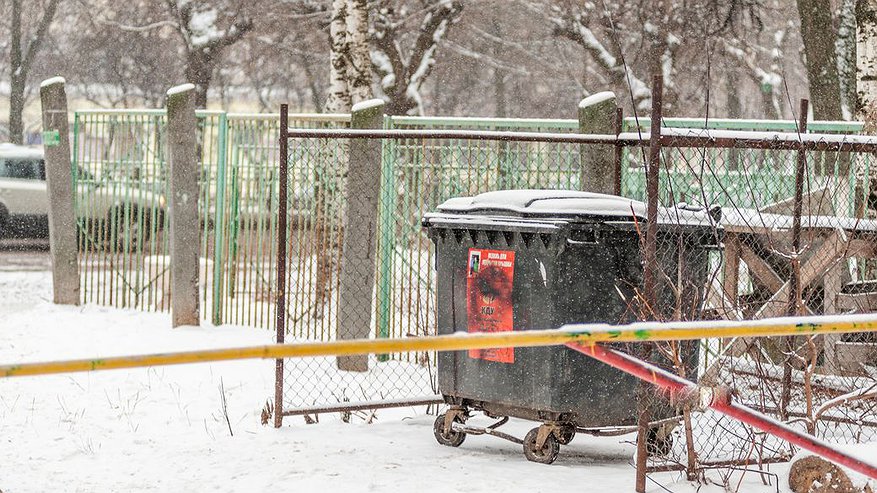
[[762, 241]]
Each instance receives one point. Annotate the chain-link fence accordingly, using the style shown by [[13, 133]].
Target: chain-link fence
[[784, 253], [824, 384], [416, 175]]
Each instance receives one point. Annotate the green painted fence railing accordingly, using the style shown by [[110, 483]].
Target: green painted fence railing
[[121, 179]]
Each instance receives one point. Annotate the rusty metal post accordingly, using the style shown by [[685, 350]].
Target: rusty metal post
[[650, 275], [795, 276], [794, 308], [619, 149], [280, 310]]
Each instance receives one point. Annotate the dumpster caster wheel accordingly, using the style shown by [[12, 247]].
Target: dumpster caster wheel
[[451, 438], [547, 454], [658, 443], [565, 434]]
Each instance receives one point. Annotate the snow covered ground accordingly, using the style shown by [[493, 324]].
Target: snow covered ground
[[164, 429]]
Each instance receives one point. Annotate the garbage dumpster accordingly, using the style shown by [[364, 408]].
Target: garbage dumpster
[[538, 259]]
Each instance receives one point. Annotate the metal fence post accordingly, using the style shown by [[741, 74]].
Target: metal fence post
[[800, 169], [280, 311], [59, 181], [386, 245], [219, 218], [597, 116], [182, 134], [650, 274], [618, 155], [360, 232]]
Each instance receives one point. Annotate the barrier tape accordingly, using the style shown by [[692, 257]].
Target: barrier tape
[[586, 334]]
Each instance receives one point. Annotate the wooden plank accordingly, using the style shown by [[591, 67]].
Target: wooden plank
[[862, 248], [717, 300], [730, 281], [832, 284], [860, 302], [825, 255], [761, 270]]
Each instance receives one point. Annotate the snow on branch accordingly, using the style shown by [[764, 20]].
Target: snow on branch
[[402, 74], [573, 26]]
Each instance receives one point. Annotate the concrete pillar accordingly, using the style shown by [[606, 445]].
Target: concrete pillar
[[597, 116], [185, 231], [358, 254], [59, 183]]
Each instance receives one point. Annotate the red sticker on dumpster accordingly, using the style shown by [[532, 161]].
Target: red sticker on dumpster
[[489, 281]]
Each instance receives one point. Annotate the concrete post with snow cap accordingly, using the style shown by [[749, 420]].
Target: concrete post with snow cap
[[358, 254], [597, 116], [184, 224], [59, 182]]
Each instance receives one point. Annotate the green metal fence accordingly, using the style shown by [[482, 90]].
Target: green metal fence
[[120, 174], [121, 178]]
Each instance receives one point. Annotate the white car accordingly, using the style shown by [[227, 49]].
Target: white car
[[110, 213]]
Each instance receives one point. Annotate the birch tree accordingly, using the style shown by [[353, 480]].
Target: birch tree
[[24, 44], [866, 61], [350, 74], [866, 98]]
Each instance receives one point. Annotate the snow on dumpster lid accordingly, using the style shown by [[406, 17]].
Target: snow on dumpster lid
[[570, 204]]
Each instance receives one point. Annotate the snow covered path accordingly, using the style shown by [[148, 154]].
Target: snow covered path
[[163, 429]]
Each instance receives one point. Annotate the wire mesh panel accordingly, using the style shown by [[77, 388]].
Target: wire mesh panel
[[245, 244], [416, 175], [784, 253], [120, 173], [822, 384], [120, 176], [420, 174]]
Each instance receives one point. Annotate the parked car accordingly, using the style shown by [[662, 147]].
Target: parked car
[[110, 214]]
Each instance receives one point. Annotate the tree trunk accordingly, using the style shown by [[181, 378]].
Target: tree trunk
[[359, 70], [866, 60], [199, 71], [735, 110], [339, 92], [819, 36], [846, 57], [866, 109], [20, 59], [16, 109], [18, 76]]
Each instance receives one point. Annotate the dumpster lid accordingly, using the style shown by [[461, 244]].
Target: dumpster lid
[[574, 205]]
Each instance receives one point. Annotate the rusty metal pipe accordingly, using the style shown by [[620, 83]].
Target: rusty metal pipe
[[721, 402]]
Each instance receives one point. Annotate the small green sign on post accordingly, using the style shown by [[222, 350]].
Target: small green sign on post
[[51, 138]]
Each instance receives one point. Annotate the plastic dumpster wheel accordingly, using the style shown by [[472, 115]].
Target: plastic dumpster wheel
[[566, 433], [547, 454], [451, 438], [658, 444]]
